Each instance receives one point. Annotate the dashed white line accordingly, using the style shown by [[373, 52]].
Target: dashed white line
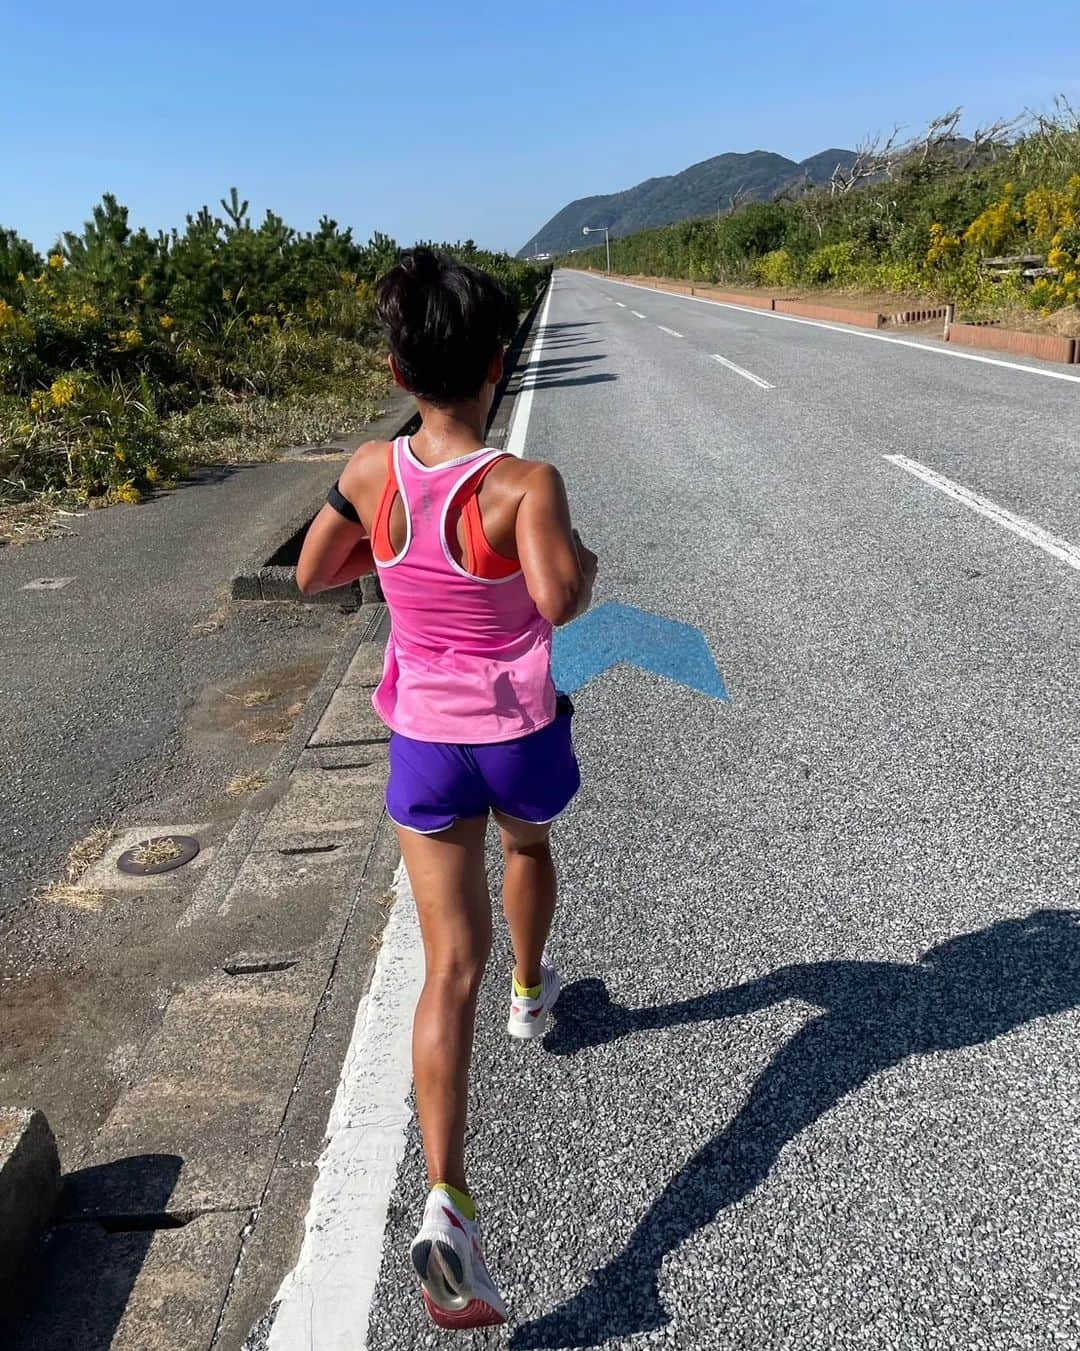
[[620, 305], [668, 330], [1034, 534], [637, 314], [852, 332], [739, 370]]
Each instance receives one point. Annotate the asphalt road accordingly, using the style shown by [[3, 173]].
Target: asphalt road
[[813, 1079]]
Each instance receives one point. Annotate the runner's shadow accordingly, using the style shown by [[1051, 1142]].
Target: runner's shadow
[[966, 991]]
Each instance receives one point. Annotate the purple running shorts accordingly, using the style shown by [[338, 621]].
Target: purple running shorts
[[532, 778]]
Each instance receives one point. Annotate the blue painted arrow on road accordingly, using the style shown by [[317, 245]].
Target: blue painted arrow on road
[[613, 634]]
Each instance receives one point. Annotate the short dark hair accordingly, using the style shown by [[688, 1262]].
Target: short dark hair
[[445, 321]]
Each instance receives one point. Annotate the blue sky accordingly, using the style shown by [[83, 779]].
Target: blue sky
[[448, 121]]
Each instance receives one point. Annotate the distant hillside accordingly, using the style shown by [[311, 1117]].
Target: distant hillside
[[698, 191]]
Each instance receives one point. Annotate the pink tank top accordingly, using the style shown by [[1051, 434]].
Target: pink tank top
[[469, 659]]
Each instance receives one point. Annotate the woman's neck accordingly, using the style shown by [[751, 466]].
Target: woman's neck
[[448, 433]]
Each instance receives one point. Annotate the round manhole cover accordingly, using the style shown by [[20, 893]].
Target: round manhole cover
[[161, 854]]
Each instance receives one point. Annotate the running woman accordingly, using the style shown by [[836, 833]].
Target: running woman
[[477, 560]]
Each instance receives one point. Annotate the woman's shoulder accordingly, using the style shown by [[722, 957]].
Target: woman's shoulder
[[368, 466], [526, 473]]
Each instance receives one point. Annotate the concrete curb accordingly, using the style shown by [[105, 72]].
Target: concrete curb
[[1042, 346], [29, 1186]]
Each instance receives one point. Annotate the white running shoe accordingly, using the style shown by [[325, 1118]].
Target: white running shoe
[[458, 1291], [528, 1017]]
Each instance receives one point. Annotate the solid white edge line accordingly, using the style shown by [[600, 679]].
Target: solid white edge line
[[668, 330], [325, 1301], [1034, 534], [747, 375], [519, 426], [852, 331]]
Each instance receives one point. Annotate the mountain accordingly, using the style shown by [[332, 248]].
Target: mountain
[[700, 190]]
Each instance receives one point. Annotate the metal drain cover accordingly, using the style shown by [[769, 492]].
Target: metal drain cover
[[160, 854]]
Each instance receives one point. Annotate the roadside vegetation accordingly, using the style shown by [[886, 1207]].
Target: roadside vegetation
[[126, 357], [916, 218]]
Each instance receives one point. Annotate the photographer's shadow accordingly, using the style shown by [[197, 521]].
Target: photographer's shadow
[[967, 990]]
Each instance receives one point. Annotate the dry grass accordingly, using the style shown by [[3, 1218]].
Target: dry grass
[[151, 852], [74, 897], [264, 736], [214, 621], [64, 890], [240, 785], [253, 698], [27, 522], [276, 731]]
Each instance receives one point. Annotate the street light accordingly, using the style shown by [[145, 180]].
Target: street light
[[595, 230]]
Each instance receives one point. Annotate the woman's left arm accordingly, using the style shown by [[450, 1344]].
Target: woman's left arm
[[335, 551], [337, 548]]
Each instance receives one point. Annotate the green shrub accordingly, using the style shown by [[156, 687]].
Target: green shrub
[[776, 268], [111, 346], [832, 264]]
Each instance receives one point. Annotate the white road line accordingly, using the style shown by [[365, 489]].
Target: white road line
[[851, 331], [637, 314], [668, 330], [1034, 534], [325, 1301], [620, 305], [747, 375], [515, 442]]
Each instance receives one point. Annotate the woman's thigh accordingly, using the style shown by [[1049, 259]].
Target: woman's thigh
[[448, 876]]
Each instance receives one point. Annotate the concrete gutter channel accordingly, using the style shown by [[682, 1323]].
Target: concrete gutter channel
[[189, 1207]]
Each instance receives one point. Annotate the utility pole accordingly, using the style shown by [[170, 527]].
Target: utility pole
[[595, 229]]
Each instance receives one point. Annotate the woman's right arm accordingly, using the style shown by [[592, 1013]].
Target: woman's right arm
[[559, 571]]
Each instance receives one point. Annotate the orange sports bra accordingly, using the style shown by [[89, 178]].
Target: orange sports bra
[[481, 559]]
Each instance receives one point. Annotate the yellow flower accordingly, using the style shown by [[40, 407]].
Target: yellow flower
[[167, 322], [62, 391], [119, 455], [21, 278], [151, 474], [143, 282], [942, 244], [128, 340], [56, 262], [39, 401], [23, 430], [1069, 278], [89, 312], [127, 492], [1057, 258], [7, 314]]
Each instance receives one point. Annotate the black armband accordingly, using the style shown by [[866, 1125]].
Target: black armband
[[341, 504]]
